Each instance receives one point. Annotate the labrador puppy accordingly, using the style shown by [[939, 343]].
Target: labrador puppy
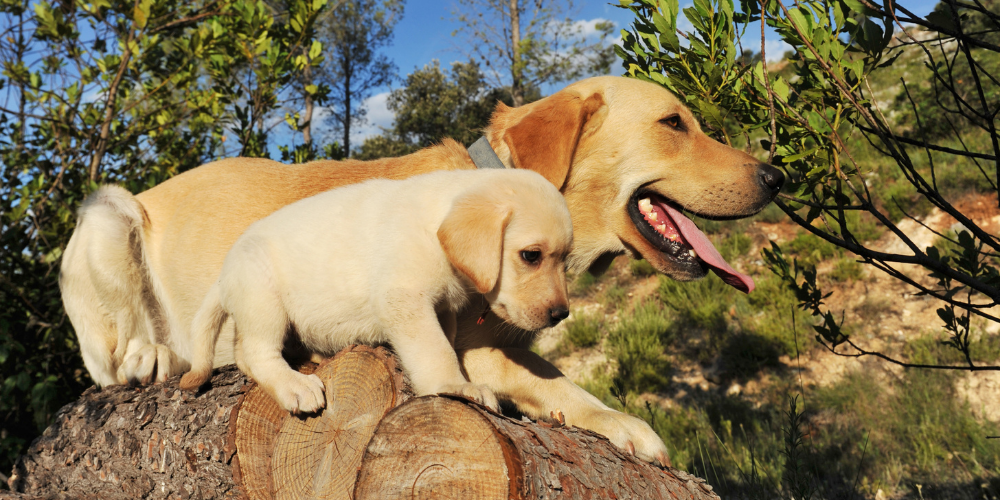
[[388, 261]]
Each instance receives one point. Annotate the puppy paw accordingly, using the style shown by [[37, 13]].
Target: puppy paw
[[628, 433], [149, 363], [300, 393], [192, 380], [478, 393]]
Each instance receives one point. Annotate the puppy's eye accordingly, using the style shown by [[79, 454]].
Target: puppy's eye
[[531, 256], [673, 121]]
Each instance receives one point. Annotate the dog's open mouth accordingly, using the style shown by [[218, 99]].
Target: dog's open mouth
[[661, 222]]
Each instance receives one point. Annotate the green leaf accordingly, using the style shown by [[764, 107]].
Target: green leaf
[[711, 113], [661, 23], [780, 88], [856, 6], [140, 13], [797, 157], [942, 19], [803, 19]]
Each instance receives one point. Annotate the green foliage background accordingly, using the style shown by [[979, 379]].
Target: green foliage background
[[114, 92]]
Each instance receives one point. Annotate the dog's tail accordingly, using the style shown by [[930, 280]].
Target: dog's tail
[[103, 281], [205, 329]]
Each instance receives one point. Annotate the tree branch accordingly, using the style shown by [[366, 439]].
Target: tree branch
[[109, 108]]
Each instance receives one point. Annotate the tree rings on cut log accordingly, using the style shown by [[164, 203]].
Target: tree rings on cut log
[[451, 448], [318, 456], [258, 421], [434, 448]]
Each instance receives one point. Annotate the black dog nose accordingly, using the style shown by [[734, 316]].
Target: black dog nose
[[557, 314], [771, 178]]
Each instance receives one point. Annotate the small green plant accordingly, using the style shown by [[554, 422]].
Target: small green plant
[[846, 269], [798, 480], [737, 244], [700, 304], [747, 353], [810, 249], [861, 225], [641, 268], [583, 283], [615, 297], [637, 346], [771, 214], [901, 199], [873, 307], [584, 330]]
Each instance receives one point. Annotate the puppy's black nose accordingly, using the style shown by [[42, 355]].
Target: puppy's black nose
[[557, 314], [771, 178]]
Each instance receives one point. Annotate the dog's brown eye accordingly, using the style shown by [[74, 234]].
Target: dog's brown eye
[[531, 256], [673, 122]]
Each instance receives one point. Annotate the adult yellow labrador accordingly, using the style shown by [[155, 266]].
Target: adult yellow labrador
[[626, 155]]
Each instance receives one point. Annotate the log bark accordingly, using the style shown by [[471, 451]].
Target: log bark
[[232, 441], [123, 442]]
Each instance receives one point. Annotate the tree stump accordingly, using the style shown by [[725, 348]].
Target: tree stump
[[232, 441]]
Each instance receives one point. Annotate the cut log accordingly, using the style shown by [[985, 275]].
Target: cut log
[[127, 443], [232, 440], [318, 457], [451, 448]]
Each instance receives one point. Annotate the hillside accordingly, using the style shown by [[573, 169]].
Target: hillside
[[713, 371]]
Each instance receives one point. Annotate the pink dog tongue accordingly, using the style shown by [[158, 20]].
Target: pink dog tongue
[[706, 251]]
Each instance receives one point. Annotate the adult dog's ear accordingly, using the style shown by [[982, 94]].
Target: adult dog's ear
[[472, 237], [545, 139]]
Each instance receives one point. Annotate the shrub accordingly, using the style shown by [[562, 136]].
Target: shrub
[[641, 268], [900, 199], [737, 244], [615, 297], [699, 304], [636, 344], [846, 269], [811, 249], [583, 283], [771, 214], [584, 330]]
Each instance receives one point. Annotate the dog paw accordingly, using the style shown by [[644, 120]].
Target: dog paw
[[148, 364], [192, 380], [478, 393], [628, 433], [300, 393]]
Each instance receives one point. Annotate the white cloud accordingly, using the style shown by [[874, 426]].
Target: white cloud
[[379, 116], [683, 23], [775, 49], [587, 28]]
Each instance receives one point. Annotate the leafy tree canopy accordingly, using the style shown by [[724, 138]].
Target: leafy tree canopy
[[120, 92]]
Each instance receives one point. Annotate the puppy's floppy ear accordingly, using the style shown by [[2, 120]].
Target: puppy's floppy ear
[[545, 139], [472, 237]]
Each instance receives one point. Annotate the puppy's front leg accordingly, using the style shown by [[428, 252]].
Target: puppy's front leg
[[428, 357], [538, 388]]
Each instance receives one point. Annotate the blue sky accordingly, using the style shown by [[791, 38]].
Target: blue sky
[[425, 33]]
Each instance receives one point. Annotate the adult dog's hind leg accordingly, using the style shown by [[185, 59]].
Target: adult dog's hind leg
[[106, 293]]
